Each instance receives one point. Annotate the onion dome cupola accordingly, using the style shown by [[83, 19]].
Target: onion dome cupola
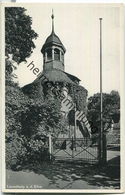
[[53, 51]]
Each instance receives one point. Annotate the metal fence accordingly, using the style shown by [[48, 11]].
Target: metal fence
[[75, 149]]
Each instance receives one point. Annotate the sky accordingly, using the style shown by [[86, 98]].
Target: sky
[[77, 25]]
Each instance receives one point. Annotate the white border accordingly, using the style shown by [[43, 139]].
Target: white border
[[122, 103]]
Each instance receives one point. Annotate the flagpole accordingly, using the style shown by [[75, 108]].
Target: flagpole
[[101, 101]]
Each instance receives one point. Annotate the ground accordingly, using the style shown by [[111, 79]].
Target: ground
[[68, 175]]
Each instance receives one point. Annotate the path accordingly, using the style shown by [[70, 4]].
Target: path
[[66, 176]]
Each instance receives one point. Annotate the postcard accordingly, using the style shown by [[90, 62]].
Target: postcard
[[62, 73]]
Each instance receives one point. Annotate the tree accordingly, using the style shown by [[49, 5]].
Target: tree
[[16, 105], [19, 36], [18, 40], [19, 44], [111, 110]]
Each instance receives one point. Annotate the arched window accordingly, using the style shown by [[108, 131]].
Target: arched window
[[56, 54], [49, 54]]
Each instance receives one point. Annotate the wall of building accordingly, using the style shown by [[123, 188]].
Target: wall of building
[[53, 64]]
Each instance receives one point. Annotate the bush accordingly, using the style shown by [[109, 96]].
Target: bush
[[37, 148], [15, 151], [21, 151]]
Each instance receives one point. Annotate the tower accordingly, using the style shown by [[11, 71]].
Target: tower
[[53, 51], [56, 84]]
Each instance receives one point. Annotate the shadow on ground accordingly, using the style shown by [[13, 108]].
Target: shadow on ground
[[107, 176]]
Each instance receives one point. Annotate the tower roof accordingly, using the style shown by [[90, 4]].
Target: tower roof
[[52, 39]]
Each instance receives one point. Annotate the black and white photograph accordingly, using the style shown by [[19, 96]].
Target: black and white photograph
[[62, 91]]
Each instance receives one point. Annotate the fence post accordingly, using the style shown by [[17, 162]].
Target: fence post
[[50, 146]]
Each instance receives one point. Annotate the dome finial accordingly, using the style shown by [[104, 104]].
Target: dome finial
[[52, 21]]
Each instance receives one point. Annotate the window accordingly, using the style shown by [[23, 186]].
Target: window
[[49, 54], [56, 54]]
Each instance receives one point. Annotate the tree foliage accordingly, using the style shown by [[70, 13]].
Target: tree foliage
[[18, 39], [16, 105], [28, 124], [19, 34], [111, 110]]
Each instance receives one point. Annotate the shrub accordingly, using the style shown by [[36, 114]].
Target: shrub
[[15, 151], [37, 147], [21, 151]]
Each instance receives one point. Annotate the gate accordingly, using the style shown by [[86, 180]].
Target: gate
[[81, 149]]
